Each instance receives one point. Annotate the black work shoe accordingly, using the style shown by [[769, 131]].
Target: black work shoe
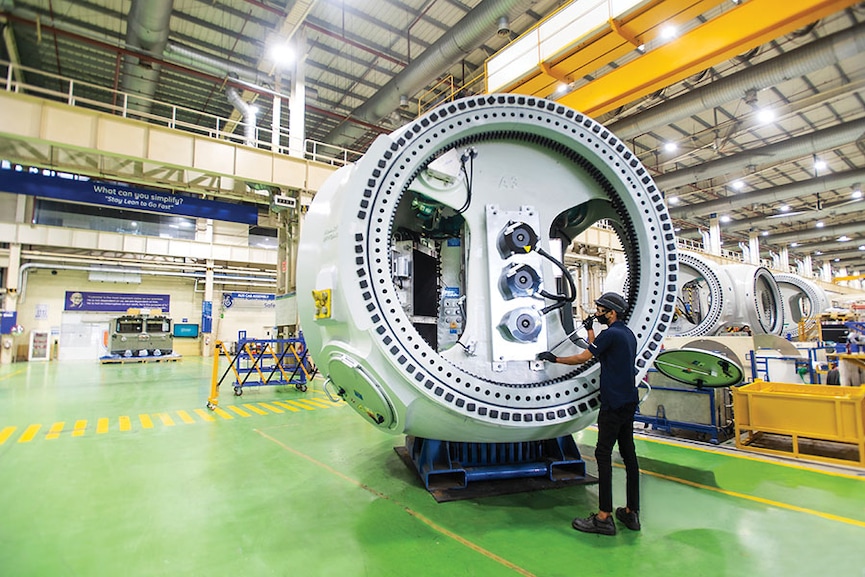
[[630, 520], [592, 524]]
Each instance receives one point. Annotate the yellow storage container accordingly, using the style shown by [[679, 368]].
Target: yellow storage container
[[799, 413]]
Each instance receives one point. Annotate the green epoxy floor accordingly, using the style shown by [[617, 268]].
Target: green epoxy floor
[[275, 485]]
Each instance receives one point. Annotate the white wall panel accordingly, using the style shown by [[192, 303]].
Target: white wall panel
[[70, 126], [126, 138]]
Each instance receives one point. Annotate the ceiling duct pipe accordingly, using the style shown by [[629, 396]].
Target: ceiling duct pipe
[[146, 29], [809, 215], [742, 163], [822, 53], [216, 66], [782, 193], [247, 110], [469, 33], [825, 232]]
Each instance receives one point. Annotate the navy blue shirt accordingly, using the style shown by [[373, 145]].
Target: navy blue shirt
[[616, 349]]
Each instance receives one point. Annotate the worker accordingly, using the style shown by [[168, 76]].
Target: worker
[[616, 349], [833, 377]]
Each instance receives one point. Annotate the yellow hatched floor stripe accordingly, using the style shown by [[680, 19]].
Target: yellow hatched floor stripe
[[270, 408], [204, 415], [286, 406], [54, 431], [239, 411], [185, 417], [222, 413], [166, 419], [312, 403], [146, 421], [6, 433], [79, 428], [255, 409], [301, 405], [29, 433], [125, 423], [102, 426]]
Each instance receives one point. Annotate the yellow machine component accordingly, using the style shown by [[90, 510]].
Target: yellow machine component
[[731, 33], [322, 299], [802, 414]]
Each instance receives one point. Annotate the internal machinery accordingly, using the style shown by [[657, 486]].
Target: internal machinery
[[430, 273]]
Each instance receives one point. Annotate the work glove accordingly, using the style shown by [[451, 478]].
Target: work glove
[[547, 356], [589, 323]]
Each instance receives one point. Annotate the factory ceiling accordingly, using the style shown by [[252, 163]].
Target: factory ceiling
[[771, 142]]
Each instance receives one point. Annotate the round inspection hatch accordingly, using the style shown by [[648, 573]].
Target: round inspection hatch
[[360, 391], [699, 368]]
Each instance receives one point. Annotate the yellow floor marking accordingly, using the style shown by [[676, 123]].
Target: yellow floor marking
[[166, 419], [285, 405], [270, 408], [125, 424], [301, 405], [185, 417], [10, 375], [54, 431], [6, 433], [769, 502], [730, 453], [255, 409], [426, 521], [29, 433], [146, 421], [314, 403], [240, 412], [222, 413], [204, 415], [80, 427], [101, 426]]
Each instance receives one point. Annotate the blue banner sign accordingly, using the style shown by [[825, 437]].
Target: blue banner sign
[[207, 316], [63, 186], [8, 320], [114, 302], [248, 299]]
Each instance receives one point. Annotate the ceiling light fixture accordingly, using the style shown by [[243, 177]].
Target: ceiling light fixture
[[843, 238], [765, 233], [765, 115], [671, 147], [725, 218], [819, 224], [738, 185], [282, 54], [673, 200], [668, 32], [794, 244], [819, 164], [784, 208]]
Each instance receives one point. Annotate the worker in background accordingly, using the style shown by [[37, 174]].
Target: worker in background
[[851, 373], [616, 349], [833, 376]]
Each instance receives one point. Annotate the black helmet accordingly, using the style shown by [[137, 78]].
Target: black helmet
[[613, 301]]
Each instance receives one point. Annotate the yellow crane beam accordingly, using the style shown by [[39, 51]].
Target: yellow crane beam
[[734, 32]]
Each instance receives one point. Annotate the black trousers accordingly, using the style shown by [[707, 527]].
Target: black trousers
[[617, 426]]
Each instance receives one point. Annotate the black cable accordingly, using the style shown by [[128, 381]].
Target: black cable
[[567, 274]]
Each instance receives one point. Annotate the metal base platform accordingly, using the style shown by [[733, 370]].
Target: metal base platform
[[459, 470], [125, 360]]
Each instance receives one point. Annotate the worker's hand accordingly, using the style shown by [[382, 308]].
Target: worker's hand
[[547, 356], [589, 323]]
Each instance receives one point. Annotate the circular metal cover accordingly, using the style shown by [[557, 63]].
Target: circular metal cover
[[699, 368]]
